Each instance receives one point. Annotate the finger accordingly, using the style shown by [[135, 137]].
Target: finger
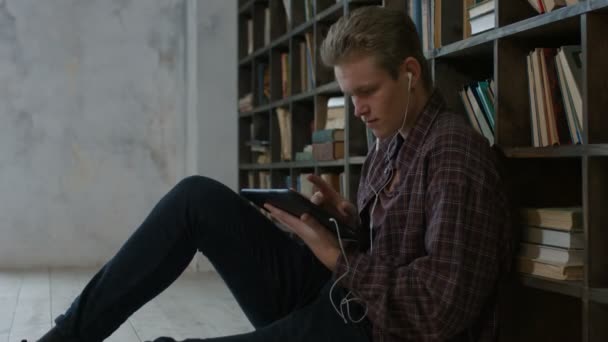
[[310, 221], [317, 198], [329, 192], [280, 215], [347, 209]]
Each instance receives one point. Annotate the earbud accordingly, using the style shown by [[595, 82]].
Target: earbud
[[409, 83]]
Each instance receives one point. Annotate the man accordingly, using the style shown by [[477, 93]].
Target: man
[[434, 221]]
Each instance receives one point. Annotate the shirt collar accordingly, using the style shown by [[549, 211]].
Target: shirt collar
[[396, 152]]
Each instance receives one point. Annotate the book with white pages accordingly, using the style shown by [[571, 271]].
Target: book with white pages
[[549, 254], [554, 238], [481, 8], [483, 22]]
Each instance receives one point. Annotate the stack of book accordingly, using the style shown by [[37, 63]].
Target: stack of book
[[478, 100], [544, 6], [556, 105], [261, 180], [482, 16], [246, 103], [328, 144], [552, 243], [305, 154], [260, 149]]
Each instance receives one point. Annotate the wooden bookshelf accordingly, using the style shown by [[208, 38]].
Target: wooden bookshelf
[[567, 175]]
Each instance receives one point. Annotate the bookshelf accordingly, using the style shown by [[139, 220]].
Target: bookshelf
[[566, 175]]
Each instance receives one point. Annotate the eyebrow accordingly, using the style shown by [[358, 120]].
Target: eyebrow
[[362, 88]]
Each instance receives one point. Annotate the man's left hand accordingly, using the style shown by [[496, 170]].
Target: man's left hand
[[320, 241]]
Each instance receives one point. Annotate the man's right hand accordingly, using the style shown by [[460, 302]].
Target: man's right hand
[[333, 202]]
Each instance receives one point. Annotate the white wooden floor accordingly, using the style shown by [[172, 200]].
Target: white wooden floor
[[196, 305]]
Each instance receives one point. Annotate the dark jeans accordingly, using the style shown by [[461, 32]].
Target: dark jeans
[[280, 285]]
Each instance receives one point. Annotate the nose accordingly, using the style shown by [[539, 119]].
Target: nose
[[360, 107]]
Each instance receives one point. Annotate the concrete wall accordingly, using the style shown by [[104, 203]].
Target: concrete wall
[[94, 115]]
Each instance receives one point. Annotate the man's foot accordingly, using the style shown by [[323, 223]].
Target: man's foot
[[53, 335]]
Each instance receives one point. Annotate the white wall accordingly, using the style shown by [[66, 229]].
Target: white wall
[[94, 121], [216, 93]]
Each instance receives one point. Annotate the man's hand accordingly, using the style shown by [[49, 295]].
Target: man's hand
[[333, 202], [320, 241]]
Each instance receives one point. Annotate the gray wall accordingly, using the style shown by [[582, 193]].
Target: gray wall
[[95, 103]]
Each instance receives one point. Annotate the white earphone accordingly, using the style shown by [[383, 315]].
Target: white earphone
[[349, 296]]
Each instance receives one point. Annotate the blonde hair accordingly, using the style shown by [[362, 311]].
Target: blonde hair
[[388, 35]]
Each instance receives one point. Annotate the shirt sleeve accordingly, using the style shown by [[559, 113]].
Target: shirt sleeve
[[441, 293]]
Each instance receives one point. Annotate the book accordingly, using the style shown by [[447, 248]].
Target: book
[[554, 238], [482, 16], [304, 156], [335, 118], [481, 8], [327, 135], [567, 218], [481, 119], [548, 99], [573, 127], [469, 110], [306, 187], [249, 36], [555, 255], [285, 83], [483, 23], [545, 6], [266, 26], [287, 8], [545, 139], [549, 270], [536, 138], [328, 151], [466, 26], [284, 120], [486, 104], [551, 5], [570, 58]]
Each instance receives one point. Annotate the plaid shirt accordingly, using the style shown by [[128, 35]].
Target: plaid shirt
[[437, 256]]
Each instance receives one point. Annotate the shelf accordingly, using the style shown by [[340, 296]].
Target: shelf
[[596, 150], [565, 151], [246, 6], [599, 295], [356, 160], [545, 152], [598, 5], [565, 287], [328, 12], [326, 89], [518, 28]]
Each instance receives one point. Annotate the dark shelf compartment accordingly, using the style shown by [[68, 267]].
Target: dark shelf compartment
[[593, 150], [599, 295], [293, 165], [565, 287]]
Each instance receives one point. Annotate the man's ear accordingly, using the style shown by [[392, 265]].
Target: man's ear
[[411, 69]]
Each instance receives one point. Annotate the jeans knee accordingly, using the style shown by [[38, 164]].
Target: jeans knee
[[202, 187]]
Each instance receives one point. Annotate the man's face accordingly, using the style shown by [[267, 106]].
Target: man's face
[[379, 100]]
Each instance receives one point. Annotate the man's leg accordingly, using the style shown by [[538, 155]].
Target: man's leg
[[315, 322], [269, 274]]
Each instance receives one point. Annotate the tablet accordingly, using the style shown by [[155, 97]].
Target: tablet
[[297, 204]]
